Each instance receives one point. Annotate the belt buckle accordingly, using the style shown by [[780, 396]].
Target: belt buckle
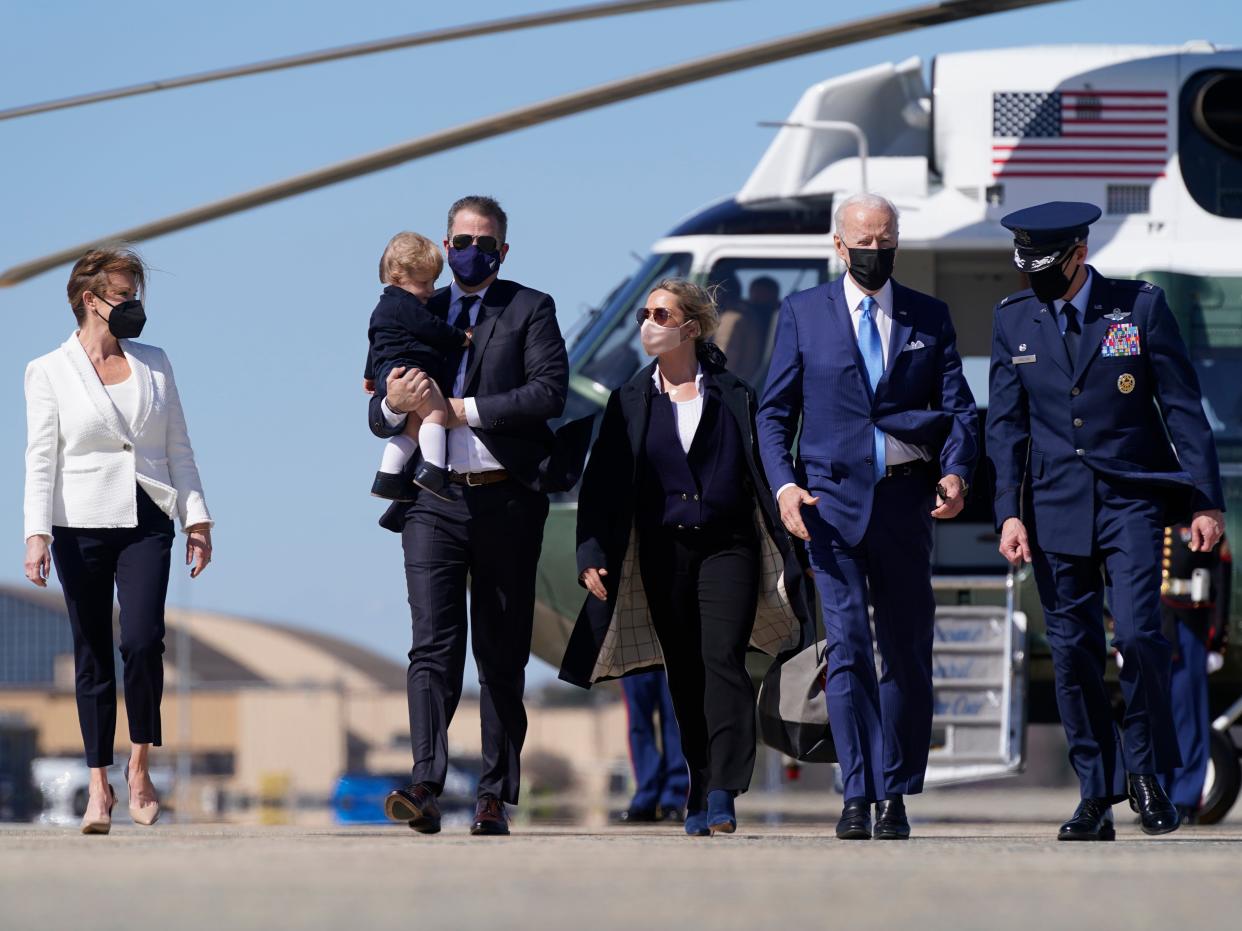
[[470, 483]]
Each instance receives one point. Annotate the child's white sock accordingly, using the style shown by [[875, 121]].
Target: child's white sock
[[432, 440], [397, 453]]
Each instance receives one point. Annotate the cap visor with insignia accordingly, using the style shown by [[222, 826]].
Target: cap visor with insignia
[[1043, 234]]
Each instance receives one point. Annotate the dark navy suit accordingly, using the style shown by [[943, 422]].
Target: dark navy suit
[[868, 536], [661, 779], [1089, 441]]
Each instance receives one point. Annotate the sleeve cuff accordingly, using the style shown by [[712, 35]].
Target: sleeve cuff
[[783, 487], [472, 413], [392, 418]]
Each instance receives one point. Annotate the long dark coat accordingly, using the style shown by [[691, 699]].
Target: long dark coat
[[615, 638]]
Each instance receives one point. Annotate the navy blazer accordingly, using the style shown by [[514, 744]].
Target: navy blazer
[[817, 378], [1112, 414], [519, 378], [404, 332]]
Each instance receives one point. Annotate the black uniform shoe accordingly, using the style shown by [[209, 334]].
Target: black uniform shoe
[[1157, 815], [855, 823], [417, 806], [1093, 820], [890, 820], [638, 816], [392, 486], [432, 478], [490, 817]]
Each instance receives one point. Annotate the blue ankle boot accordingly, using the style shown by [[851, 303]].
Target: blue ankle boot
[[696, 823], [721, 817]]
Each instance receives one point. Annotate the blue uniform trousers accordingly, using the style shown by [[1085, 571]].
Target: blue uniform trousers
[[1129, 534], [1189, 692], [882, 730], [660, 772]]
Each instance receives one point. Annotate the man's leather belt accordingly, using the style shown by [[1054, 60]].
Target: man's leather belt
[[475, 479], [914, 467]]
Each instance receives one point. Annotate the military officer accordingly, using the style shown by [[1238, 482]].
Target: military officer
[[1090, 380]]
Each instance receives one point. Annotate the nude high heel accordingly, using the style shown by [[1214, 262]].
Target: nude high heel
[[147, 813], [100, 825]]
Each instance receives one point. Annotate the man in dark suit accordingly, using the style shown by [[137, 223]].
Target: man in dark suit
[[870, 371], [1090, 381], [488, 526]]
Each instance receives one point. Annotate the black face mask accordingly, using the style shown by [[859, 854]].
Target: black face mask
[[871, 268], [1051, 282], [126, 320]]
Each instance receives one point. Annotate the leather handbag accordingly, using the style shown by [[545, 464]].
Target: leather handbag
[[793, 711]]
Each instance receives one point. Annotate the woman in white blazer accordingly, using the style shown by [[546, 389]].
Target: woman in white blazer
[[108, 465]]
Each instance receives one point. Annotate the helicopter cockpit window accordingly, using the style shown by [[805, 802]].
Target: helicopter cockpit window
[[749, 292], [619, 353], [1210, 141]]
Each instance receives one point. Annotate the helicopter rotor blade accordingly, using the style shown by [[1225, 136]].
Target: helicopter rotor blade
[[710, 66], [449, 34]]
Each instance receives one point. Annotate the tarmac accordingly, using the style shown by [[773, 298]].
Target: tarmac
[[979, 859]]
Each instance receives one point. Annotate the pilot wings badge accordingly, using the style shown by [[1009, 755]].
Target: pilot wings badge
[[1117, 315]]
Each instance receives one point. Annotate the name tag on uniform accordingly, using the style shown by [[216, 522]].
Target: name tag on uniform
[[1122, 339], [1020, 360]]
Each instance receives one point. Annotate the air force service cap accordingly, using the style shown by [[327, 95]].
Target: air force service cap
[[1044, 233]]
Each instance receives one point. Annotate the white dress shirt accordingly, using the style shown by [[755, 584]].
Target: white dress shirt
[[895, 451], [466, 452], [686, 414], [1081, 301]]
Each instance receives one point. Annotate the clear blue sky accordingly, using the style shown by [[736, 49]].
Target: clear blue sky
[[264, 314]]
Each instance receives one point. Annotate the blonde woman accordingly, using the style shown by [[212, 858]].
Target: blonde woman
[[675, 475], [108, 464]]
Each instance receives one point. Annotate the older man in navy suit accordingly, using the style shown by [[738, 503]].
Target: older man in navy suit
[[1090, 381], [871, 372]]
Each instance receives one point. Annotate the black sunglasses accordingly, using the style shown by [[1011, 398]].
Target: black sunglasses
[[488, 244], [661, 315]]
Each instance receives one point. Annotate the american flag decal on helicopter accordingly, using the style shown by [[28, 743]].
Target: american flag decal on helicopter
[[1080, 134]]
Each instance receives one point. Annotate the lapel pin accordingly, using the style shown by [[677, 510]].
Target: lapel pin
[[1125, 383]]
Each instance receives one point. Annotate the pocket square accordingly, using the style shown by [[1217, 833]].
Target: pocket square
[[913, 344]]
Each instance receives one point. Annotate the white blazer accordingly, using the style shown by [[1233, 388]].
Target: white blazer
[[84, 462]]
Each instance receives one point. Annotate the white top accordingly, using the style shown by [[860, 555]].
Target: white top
[[85, 458], [466, 452], [686, 414], [124, 397], [895, 451]]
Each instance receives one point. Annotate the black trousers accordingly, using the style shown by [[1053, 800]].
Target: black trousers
[[492, 536], [135, 561], [702, 589]]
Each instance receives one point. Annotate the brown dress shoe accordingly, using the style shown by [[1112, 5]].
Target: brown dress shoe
[[416, 805], [490, 817]]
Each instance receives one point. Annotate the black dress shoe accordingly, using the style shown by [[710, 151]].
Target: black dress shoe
[[432, 478], [890, 820], [638, 816], [417, 806], [1093, 820], [490, 818], [1157, 815], [855, 823], [392, 486]]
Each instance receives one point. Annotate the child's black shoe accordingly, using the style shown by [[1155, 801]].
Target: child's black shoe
[[432, 478], [392, 486]]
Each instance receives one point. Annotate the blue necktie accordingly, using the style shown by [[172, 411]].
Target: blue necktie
[[873, 358]]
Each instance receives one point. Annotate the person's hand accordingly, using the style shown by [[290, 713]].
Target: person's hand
[[456, 412], [791, 502], [368, 385], [1206, 529], [955, 499], [399, 386], [38, 560], [427, 396], [197, 549], [594, 582], [1014, 545]]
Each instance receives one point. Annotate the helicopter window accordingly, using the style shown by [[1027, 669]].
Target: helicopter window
[[618, 354], [749, 292], [1210, 141]]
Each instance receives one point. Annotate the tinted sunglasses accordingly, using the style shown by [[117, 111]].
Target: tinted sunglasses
[[488, 244], [661, 315]]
